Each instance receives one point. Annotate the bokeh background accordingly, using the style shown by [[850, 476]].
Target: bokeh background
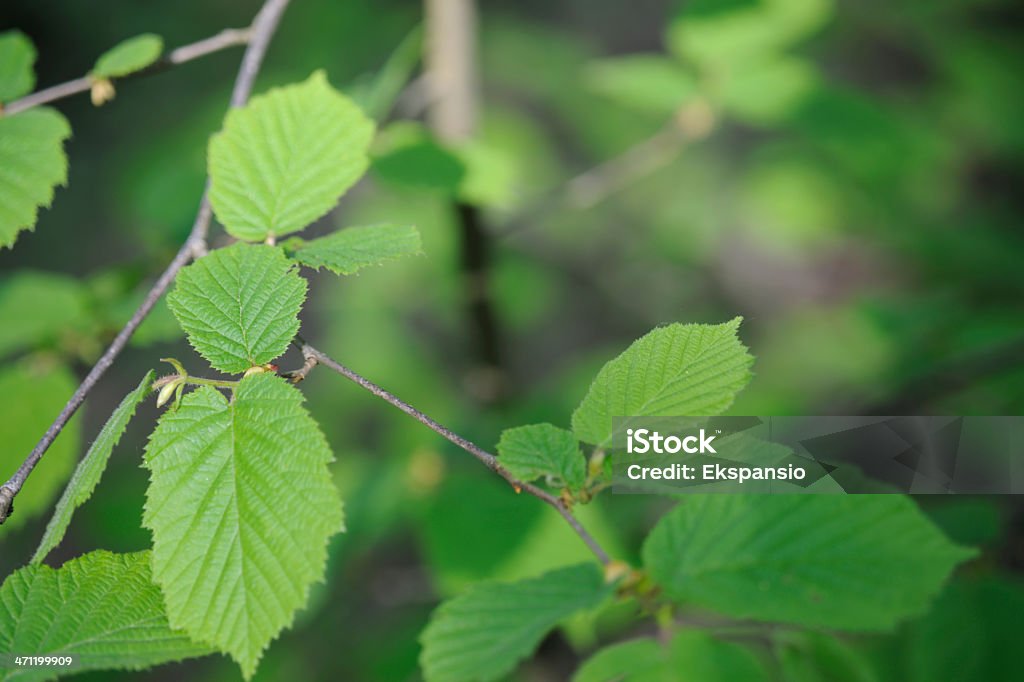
[[845, 175]]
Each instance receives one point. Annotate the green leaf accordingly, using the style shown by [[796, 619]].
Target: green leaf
[[968, 520], [651, 83], [481, 634], [766, 92], [742, 36], [17, 55], [678, 370], [286, 158], [529, 452], [638, 660], [859, 562], [241, 506], [31, 395], [691, 656], [406, 154], [101, 608], [496, 171], [39, 308], [32, 164], [239, 305], [814, 657], [129, 56], [972, 634], [90, 469], [347, 251], [444, 526]]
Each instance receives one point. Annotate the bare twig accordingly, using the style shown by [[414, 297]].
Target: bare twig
[[315, 357], [262, 30], [227, 38]]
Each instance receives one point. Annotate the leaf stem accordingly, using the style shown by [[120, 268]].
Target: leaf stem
[[218, 383], [315, 357], [262, 30], [193, 381]]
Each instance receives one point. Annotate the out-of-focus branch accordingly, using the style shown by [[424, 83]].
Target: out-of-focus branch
[[315, 357], [452, 83], [450, 58], [693, 122], [230, 37], [260, 33]]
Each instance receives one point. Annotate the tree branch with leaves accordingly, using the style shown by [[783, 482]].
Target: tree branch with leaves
[[241, 503], [259, 35]]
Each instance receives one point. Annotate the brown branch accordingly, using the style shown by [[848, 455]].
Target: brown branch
[[227, 38], [315, 357], [262, 30]]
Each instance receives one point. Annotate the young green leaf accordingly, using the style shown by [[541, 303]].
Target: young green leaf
[[678, 370], [481, 634], [241, 506], [529, 452], [691, 656], [90, 469], [859, 562], [128, 56], [101, 608], [239, 305], [349, 250], [32, 164], [286, 158], [30, 394], [17, 55]]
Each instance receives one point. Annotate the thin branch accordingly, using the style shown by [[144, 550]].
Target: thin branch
[[692, 123], [262, 30], [589, 188], [315, 357], [230, 37]]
